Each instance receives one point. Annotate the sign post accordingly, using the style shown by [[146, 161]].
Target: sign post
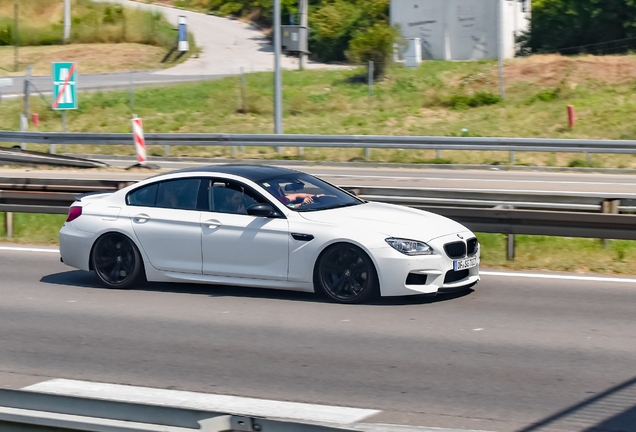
[[64, 76]]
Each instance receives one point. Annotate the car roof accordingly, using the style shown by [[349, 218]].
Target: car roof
[[255, 173]]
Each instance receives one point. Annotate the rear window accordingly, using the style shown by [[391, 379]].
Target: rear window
[[173, 194]]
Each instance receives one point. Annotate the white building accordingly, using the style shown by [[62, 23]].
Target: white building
[[462, 29]]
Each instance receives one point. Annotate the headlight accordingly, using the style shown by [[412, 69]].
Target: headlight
[[410, 247]]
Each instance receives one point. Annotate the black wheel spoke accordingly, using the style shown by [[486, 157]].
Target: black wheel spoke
[[344, 272], [115, 260]]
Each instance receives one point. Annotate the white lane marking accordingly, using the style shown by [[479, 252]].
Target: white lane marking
[[478, 329], [379, 427], [523, 191], [332, 175], [202, 401], [566, 277], [26, 249], [467, 179]]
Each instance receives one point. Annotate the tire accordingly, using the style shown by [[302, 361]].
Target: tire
[[345, 274], [117, 261]]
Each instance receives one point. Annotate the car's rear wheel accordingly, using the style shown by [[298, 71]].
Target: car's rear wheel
[[346, 274], [117, 261]]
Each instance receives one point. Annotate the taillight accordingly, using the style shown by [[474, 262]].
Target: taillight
[[73, 213]]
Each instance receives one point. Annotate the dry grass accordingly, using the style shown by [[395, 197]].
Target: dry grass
[[93, 58]]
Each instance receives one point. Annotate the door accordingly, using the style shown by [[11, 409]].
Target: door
[[236, 244], [166, 220]]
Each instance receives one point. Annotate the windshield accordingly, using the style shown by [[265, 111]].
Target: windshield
[[302, 192]]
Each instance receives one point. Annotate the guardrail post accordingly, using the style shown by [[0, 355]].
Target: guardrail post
[[611, 207], [512, 158], [166, 150], [510, 247], [8, 224], [23, 127], [438, 154]]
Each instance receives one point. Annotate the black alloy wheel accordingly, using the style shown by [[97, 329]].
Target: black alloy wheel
[[116, 261], [346, 274]]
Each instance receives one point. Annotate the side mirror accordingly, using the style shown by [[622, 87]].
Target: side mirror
[[352, 192], [262, 210]]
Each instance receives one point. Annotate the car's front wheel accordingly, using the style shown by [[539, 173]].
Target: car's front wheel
[[116, 261], [346, 274]]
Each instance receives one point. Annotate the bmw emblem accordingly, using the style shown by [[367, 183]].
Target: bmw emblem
[[460, 236]]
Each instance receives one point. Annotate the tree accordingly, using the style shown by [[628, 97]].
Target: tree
[[560, 24]]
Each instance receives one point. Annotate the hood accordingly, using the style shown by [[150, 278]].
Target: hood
[[390, 220]]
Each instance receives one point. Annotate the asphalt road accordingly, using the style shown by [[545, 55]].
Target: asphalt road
[[606, 186], [512, 353]]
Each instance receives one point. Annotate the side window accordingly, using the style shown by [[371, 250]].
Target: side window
[[227, 196], [145, 196], [178, 194]]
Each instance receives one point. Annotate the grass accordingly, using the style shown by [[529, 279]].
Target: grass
[[31, 228], [438, 99], [533, 252], [581, 255]]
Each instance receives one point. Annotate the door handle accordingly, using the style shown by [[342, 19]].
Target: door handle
[[141, 218], [213, 223]]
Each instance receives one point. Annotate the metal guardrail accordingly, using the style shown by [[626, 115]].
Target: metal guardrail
[[22, 157], [53, 196], [22, 411], [414, 197], [537, 222], [339, 141]]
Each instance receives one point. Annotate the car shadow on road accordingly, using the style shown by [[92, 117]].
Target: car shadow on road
[[612, 410], [85, 279]]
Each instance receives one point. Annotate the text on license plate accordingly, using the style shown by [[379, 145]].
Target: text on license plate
[[465, 263]]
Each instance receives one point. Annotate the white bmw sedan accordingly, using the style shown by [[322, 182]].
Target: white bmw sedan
[[267, 227]]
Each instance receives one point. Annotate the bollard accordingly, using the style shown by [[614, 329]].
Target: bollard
[[571, 116]]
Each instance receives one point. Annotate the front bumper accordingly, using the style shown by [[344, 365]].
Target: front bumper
[[394, 269]]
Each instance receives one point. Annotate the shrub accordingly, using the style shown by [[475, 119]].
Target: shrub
[[374, 44], [473, 101]]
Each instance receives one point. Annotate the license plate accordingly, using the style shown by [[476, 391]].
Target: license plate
[[465, 263]]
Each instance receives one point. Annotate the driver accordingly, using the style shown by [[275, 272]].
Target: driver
[[288, 199]]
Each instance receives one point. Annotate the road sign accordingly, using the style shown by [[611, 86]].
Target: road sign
[[64, 85]]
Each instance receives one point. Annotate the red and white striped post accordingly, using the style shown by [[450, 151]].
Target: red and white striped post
[[140, 142]]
